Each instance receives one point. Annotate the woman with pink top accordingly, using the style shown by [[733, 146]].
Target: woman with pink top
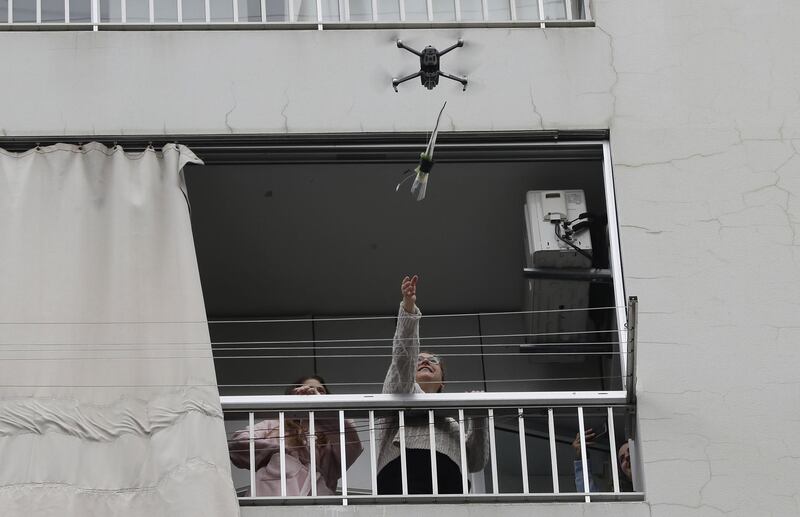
[[298, 457]]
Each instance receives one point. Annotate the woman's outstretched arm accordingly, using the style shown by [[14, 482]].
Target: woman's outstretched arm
[[405, 347]]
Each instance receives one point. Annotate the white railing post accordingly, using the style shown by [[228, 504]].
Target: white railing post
[[373, 463], [541, 14], [434, 468], [207, 7], [312, 452], [493, 452], [38, 11], [343, 456], [612, 445], [95, 14], [252, 446], [523, 452], [402, 5], [568, 5], [152, 11], [551, 428], [282, 450], [584, 460], [10, 11], [66, 11], [462, 439], [235, 7], [512, 9], [179, 7], [403, 466]]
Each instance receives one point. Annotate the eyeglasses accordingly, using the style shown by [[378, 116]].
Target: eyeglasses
[[432, 359]]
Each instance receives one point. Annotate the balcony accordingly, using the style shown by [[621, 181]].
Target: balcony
[[531, 450], [288, 14]]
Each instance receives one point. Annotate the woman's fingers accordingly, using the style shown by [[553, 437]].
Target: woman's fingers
[[409, 286], [408, 289], [304, 390]]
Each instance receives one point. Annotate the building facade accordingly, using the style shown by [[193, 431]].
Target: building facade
[[699, 105]]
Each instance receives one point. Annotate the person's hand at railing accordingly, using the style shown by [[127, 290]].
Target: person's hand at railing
[[308, 390], [589, 436], [409, 290]]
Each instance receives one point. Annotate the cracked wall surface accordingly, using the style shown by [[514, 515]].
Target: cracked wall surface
[[702, 100], [705, 140], [222, 82]]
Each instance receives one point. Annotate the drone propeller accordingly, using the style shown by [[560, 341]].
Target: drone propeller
[[381, 80]]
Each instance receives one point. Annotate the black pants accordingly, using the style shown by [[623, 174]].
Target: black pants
[[418, 462]]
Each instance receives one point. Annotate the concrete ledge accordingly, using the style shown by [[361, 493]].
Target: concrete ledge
[[616, 509]]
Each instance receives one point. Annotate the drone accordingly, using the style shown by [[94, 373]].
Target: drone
[[429, 71]]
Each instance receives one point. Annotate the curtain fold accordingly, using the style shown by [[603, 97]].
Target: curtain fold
[[108, 395]]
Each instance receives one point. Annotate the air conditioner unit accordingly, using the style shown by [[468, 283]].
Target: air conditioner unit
[[548, 214], [545, 211]]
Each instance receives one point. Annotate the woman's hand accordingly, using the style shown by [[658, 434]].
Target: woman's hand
[[305, 390], [589, 436], [409, 290]]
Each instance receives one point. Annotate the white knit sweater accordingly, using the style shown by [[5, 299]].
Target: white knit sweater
[[401, 379]]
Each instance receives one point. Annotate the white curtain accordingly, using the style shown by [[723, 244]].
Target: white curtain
[[108, 396]]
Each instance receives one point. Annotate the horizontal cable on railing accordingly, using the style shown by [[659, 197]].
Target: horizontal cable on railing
[[479, 381], [282, 385], [424, 316], [161, 347], [463, 345], [317, 356], [340, 340], [347, 356], [421, 339], [306, 320]]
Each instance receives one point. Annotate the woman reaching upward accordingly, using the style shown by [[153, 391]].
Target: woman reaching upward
[[412, 371]]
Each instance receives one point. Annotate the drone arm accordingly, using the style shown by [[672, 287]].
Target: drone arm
[[462, 80], [395, 82], [402, 45], [459, 43]]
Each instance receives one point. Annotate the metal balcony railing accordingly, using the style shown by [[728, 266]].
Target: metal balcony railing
[[543, 421], [287, 14]]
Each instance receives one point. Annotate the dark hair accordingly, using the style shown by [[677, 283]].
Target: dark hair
[[441, 366], [302, 380]]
